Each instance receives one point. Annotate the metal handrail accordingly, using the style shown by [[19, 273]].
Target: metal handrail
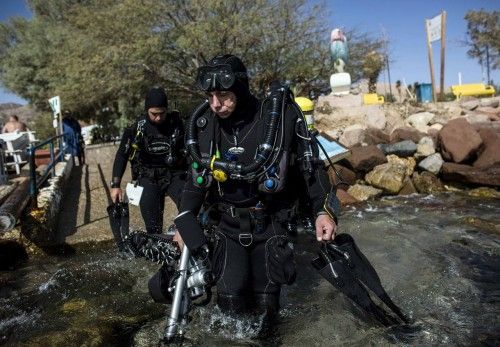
[[51, 168]]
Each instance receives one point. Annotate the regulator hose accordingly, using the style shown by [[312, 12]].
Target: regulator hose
[[192, 136]]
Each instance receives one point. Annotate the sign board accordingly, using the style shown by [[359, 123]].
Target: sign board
[[434, 28], [55, 104], [334, 149]]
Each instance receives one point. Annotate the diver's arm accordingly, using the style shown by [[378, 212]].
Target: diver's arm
[[120, 164], [186, 222], [324, 202]]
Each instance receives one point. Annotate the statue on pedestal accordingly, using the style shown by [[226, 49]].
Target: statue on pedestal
[[340, 81]]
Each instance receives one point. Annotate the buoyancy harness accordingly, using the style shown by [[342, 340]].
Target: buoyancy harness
[[149, 152], [271, 158]]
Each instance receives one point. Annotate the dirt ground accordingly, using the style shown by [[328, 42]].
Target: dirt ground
[[83, 216]]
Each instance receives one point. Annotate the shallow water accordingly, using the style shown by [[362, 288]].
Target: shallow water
[[438, 258]]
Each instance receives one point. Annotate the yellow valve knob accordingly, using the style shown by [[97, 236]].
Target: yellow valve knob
[[219, 175], [305, 104]]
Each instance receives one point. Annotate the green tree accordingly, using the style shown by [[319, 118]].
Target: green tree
[[372, 66], [100, 56], [483, 37]]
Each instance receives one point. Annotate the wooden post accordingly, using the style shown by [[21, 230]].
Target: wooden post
[[443, 45], [431, 64]]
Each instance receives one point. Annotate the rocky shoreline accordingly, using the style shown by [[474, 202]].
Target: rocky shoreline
[[407, 148]]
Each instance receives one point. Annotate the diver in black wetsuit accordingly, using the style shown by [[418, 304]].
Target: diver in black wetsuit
[[241, 149], [154, 144]]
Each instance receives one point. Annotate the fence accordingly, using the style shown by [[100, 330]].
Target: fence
[[51, 167]]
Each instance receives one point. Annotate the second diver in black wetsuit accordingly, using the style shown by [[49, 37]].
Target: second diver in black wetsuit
[[154, 145], [241, 149]]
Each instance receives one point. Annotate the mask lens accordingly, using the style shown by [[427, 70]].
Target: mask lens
[[204, 78], [226, 79]]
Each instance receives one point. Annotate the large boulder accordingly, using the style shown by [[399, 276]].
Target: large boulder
[[458, 141], [490, 154], [362, 192], [489, 176], [427, 183], [364, 159], [388, 176]]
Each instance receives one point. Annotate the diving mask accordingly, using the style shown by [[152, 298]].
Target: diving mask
[[217, 77]]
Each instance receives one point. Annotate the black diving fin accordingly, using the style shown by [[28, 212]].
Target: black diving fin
[[345, 267], [119, 222]]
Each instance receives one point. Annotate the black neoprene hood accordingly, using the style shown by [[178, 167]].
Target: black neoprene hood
[[156, 97]]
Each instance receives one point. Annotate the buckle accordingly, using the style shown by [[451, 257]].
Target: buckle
[[242, 237]]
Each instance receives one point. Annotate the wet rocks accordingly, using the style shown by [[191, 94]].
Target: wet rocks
[[426, 149]]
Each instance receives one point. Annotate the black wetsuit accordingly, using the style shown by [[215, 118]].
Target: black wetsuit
[[246, 266], [158, 164]]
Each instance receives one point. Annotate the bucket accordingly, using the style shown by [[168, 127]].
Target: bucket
[[424, 92]]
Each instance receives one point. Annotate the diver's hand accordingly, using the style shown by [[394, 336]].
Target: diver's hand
[[116, 194], [326, 228], [178, 239]]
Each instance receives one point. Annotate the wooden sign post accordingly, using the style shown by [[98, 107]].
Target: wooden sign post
[[436, 30]]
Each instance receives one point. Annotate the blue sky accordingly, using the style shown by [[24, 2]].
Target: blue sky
[[403, 23]]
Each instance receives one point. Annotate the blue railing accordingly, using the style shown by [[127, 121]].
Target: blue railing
[[51, 167]]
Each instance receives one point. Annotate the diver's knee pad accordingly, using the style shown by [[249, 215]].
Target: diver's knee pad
[[232, 304], [268, 303]]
